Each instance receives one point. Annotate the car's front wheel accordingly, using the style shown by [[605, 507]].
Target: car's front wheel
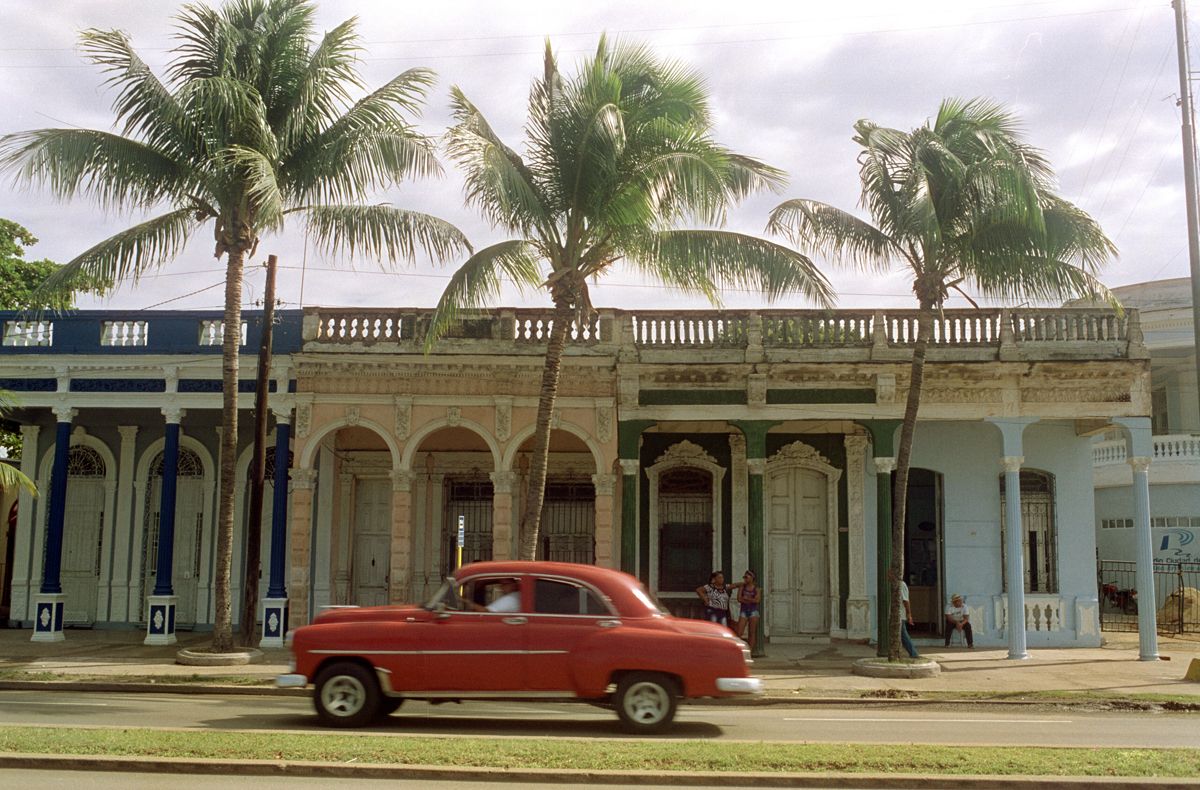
[[347, 695], [646, 701]]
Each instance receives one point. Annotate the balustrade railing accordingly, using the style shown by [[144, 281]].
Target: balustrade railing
[[125, 333], [950, 327], [25, 334], [1069, 324], [1167, 448], [1042, 612], [120, 332], [212, 332], [818, 328], [725, 329]]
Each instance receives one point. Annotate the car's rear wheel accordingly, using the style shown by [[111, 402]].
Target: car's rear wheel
[[646, 701], [347, 695]]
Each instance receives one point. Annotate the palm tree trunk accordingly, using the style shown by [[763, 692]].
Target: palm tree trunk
[[531, 516], [903, 456], [230, 346]]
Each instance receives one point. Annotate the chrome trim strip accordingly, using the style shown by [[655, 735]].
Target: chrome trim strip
[[515, 694], [740, 685], [290, 681], [438, 652]]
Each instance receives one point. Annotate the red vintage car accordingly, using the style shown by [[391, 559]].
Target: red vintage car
[[518, 630]]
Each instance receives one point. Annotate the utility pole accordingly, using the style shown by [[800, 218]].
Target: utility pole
[[1189, 177], [258, 463]]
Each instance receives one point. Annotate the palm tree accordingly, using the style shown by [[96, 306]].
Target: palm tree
[[959, 201], [256, 121], [11, 476], [616, 157]]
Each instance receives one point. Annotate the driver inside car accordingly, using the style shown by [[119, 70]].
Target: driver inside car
[[508, 600]]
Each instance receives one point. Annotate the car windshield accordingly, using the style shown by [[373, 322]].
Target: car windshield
[[640, 593]]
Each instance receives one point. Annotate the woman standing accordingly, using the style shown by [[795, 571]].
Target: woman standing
[[715, 597], [749, 598]]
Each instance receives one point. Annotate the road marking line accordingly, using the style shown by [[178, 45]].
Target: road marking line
[[944, 721]]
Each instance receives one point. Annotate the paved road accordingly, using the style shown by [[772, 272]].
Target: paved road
[[1009, 725]]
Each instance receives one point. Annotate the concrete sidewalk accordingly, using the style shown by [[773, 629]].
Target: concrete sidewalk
[[800, 671]]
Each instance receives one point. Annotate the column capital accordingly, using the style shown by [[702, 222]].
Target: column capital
[[65, 413], [502, 482], [1012, 463], [173, 414], [29, 433], [884, 465], [283, 414], [401, 480], [855, 442], [604, 484], [1139, 463], [303, 479], [629, 466], [128, 433], [756, 466]]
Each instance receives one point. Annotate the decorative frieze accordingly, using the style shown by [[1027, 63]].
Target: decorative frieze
[[403, 417], [503, 418], [454, 416], [604, 421], [756, 389], [353, 415], [685, 452], [401, 480], [303, 420], [799, 452], [885, 388]]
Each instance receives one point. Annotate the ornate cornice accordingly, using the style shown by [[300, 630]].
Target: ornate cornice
[[799, 452], [685, 452]]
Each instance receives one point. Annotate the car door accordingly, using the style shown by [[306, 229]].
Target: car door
[[566, 614], [471, 651]]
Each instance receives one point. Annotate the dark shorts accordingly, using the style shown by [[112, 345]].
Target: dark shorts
[[748, 610], [716, 615]]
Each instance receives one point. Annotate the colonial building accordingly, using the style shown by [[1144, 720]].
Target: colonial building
[[682, 442]]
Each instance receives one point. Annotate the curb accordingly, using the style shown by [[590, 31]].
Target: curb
[[544, 776]]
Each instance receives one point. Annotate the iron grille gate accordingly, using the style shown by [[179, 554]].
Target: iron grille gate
[[1176, 586], [471, 499], [568, 526]]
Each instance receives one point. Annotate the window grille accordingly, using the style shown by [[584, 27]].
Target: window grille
[[470, 498], [685, 551], [568, 525]]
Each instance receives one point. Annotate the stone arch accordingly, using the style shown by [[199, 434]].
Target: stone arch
[[413, 445], [80, 437], [518, 439], [185, 442], [313, 443]]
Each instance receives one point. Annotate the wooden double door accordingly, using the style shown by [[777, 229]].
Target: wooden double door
[[797, 553]]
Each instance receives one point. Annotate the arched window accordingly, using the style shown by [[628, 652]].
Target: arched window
[[685, 541], [269, 467], [189, 464], [1039, 525], [83, 461]]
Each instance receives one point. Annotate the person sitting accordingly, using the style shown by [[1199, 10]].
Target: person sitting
[[957, 619], [508, 601]]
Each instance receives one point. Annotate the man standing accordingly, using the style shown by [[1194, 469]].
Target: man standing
[[905, 621]]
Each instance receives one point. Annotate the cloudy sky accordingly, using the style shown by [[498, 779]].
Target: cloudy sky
[[1094, 82]]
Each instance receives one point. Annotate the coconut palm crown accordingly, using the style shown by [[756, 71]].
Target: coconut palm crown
[[254, 121], [616, 157], [960, 202]]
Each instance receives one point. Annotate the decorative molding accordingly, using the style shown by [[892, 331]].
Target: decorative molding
[[885, 388], [802, 454], [353, 415], [282, 412], [303, 479], [503, 482], [77, 433], [303, 420], [756, 389], [1139, 463], [962, 395], [65, 413], [454, 416], [403, 416], [503, 418], [29, 434], [629, 466], [857, 622], [884, 465], [604, 422], [683, 453], [402, 479], [756, 466], [627, 388], [173, 414], [1012, 463], [1091, 394], [605, 484]]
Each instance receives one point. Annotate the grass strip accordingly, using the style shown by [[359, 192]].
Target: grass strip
[[162, 680], [596, 754]]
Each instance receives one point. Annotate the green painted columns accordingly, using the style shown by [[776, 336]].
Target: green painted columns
[[755, 432], [629, 434], [883, 440]]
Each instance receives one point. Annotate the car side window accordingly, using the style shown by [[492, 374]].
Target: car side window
[[557, 597]]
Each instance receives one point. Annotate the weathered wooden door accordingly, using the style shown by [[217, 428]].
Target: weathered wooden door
[[372, 540], [82, 533], [797, 594]]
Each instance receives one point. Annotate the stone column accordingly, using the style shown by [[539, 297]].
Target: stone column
[[1147, 605], [162, 602], [629, 514], [884, 466], [303, 481], [605, 485], [122, 529], [1011, 431], [858, 605], [400, 564], [755, 432], [502, 515], [275, 603], [50, 603], [23, 549], [738, 478]]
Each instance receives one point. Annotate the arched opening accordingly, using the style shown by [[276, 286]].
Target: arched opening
[[567, 531], [190, 514], [1039, 528], [360, 516], [83, 533], [924, 551], [458, 462], [685, 529]]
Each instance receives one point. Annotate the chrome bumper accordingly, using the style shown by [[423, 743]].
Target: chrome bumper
[[740, 685], [290, 681]]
